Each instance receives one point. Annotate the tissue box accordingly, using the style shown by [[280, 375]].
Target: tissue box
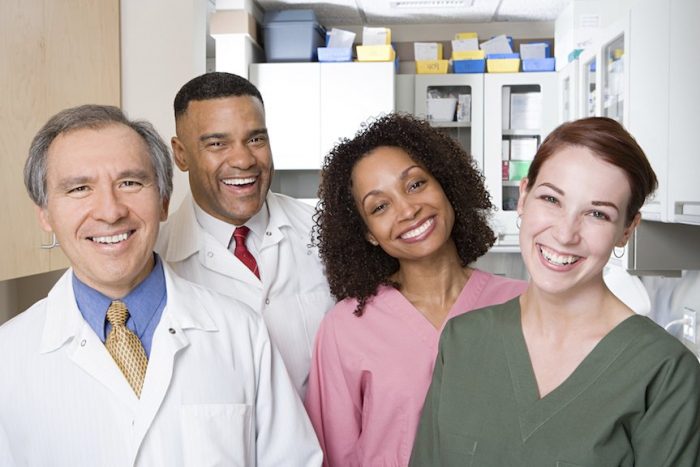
[[442, 109], [292, 36]]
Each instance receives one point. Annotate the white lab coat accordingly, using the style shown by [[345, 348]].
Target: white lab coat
[[215, 393], [294, 294]]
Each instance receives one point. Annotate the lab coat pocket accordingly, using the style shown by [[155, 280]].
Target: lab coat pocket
[[217, 435], [457, 449]]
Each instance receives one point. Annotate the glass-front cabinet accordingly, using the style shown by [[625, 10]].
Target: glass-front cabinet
[[454, 104], [522, 111]]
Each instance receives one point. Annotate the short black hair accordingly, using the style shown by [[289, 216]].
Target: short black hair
[[213, 85]]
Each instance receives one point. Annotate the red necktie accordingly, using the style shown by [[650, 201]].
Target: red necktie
[[241, 251]]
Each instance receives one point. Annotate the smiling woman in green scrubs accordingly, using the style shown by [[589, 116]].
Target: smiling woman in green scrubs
[[566, 374]]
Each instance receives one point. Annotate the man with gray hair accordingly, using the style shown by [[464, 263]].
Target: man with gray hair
[[124, 363]]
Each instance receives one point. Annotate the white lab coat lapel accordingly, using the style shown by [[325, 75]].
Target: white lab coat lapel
[[65, 326], [269, 250], [181, 312]]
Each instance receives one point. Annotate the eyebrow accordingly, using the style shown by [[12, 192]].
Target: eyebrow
[[594, 203], [70, 182], [402, 176], [210, 136]]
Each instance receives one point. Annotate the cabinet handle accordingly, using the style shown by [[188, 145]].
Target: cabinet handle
[[53, 244]]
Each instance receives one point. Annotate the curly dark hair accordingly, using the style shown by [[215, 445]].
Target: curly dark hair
[[354, 267]]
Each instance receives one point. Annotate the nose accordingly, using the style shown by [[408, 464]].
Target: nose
[[241, 157], [567, 230], [109, 207], [407, 210]]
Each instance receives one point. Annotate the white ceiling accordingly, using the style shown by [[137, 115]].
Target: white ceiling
[[383, 12]]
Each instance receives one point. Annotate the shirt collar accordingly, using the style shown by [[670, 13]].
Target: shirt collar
[[142, 302], [223, 231]]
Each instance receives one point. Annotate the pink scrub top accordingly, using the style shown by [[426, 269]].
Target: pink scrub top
[[370, 374]]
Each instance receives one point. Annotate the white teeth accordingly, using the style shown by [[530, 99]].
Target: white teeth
[[239, 181], [558, 260], [418, 230], [109, 239]]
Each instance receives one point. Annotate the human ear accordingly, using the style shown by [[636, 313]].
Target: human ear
[[44, 219], [370, 238], [523, 192], [179, 153], [627, 233]]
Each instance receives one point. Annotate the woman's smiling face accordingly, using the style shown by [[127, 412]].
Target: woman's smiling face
[[572, 217]]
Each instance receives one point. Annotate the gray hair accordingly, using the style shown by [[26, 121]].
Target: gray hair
[[93, 117]]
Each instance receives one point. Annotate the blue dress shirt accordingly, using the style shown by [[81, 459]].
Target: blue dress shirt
[[145, 304]]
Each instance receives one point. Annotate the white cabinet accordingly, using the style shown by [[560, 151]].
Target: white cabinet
[[683, 177], [520, 111], [568, 88], [291, 92], [309, 106], [466, 124], [352, 93]]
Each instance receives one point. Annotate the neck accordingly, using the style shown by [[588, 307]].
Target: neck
[[441, 277], [577, 312]]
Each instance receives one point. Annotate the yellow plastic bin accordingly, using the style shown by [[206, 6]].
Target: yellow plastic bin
[[503, 63], [375, 53], [426, 67]]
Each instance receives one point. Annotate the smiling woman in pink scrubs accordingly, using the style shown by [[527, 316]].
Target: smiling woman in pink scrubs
[[403, 214], [566, 374]]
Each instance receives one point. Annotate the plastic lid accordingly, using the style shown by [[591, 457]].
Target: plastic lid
[[289, 15]]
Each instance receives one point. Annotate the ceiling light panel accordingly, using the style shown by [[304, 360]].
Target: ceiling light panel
[[530, 10], [388, 12]]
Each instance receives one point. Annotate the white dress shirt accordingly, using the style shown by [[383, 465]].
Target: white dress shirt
[[215, 392], [292, 293]]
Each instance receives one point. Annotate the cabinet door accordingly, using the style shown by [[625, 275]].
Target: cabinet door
[[352, 93], [568, 87], [648, 94], [520, 112], [291, 92], [462, 97], [684, 103], [52, 58]]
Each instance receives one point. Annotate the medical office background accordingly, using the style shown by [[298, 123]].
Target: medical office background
[[137, 53]]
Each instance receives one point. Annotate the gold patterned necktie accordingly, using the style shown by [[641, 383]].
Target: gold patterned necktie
[[125, 347]]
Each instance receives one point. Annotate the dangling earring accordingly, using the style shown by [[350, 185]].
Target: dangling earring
[[615, 252], [518, 220]]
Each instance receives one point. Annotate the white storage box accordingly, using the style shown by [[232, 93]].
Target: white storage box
[[442, 109]]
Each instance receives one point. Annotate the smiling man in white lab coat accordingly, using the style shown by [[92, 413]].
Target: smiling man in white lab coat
[[222, 143], [189, 379]]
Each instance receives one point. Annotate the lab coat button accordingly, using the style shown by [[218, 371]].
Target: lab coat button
[[210, 254], [308, 252], [268, 233], [82, 343], [267, 301], [171, 331]]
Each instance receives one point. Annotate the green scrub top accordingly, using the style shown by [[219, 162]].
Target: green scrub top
[[633, 401]]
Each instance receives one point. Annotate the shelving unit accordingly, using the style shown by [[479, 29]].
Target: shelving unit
[[522, 111], [466, 125]]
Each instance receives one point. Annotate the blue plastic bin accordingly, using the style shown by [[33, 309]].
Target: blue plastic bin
[[335, 54], [538, 64], [292, 36], [469, 66]]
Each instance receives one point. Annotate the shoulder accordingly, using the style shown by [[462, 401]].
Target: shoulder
[[298, 213], [22, 327], [480, 321], [656, 347], [222, 308], [500, 287]]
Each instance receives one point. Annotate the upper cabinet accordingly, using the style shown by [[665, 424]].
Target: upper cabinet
[[521, 111], [54, 55], [310, 106]]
